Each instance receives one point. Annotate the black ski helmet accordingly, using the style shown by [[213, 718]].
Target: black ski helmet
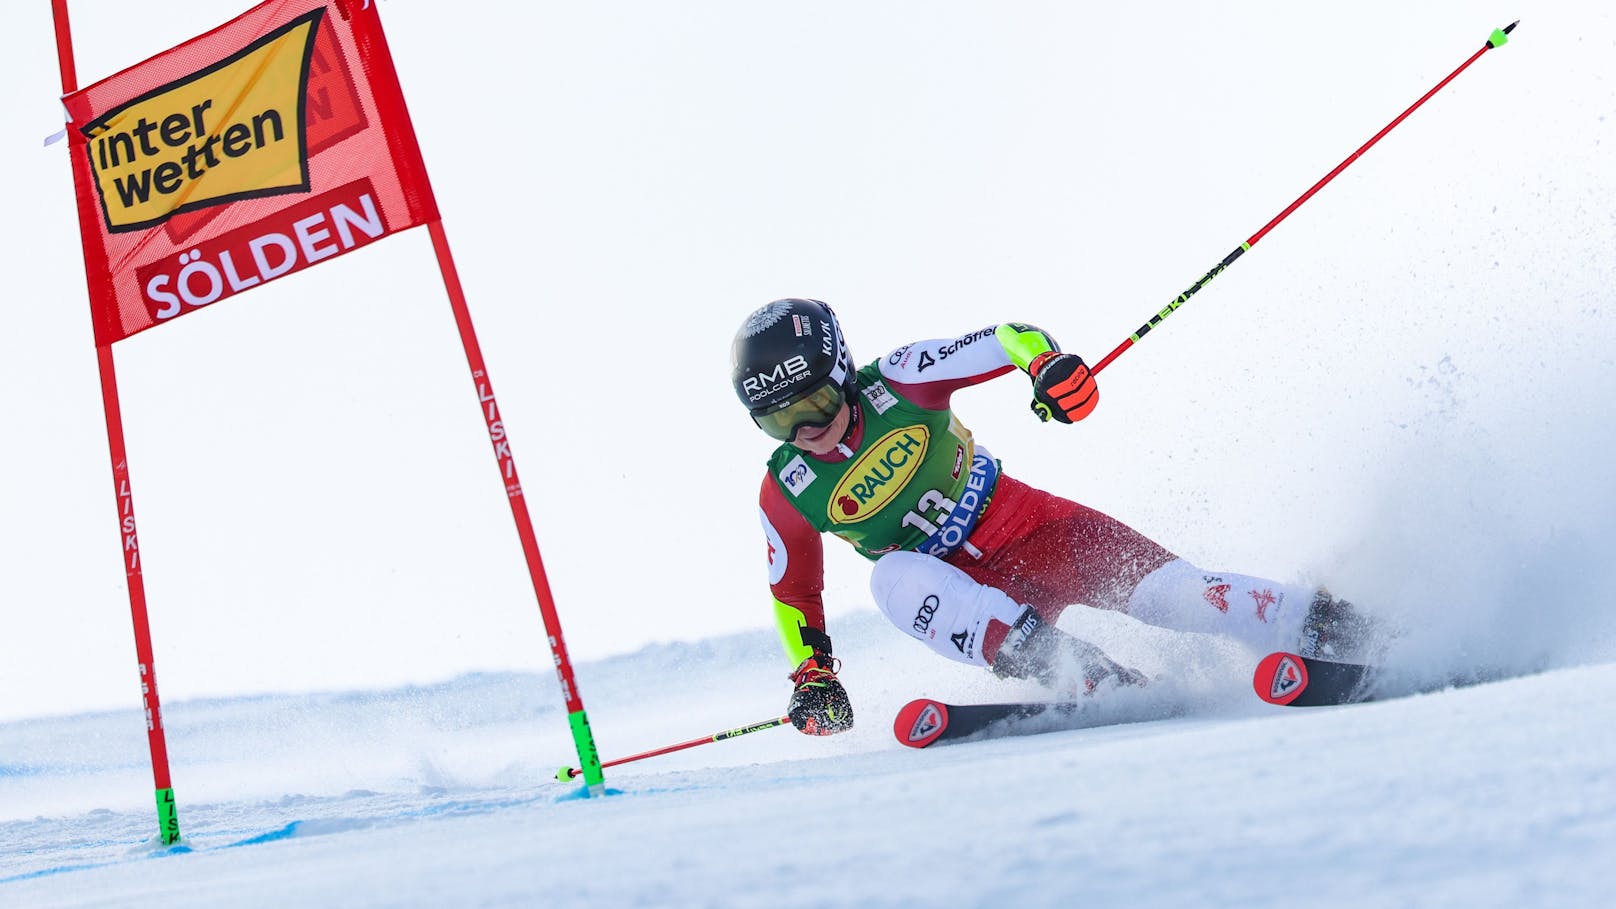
[[790, 366]]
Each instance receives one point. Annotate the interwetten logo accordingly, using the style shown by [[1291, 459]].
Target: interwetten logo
[[879, 475], [235, 130]]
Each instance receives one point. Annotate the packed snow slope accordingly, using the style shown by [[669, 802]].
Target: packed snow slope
[[1492, 794]]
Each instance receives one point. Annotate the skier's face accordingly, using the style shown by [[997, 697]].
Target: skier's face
[[822, 439]]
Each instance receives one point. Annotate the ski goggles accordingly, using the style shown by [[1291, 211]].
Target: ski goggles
[[815, 408]]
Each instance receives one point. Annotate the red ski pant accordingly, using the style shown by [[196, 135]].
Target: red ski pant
[[1051, 553]]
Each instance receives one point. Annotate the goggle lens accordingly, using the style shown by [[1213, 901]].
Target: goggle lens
[[816, 408]]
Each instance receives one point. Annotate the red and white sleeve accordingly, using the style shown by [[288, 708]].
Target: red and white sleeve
[[929, 372], [796, 568]]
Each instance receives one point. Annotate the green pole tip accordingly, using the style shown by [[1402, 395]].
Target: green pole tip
[[168, 820], [1500, 36], [588, 760], [564, 774]]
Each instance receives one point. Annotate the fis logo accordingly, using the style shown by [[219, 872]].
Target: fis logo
[[797, 475]]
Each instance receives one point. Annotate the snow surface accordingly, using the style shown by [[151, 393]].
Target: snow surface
[[1496, 794]]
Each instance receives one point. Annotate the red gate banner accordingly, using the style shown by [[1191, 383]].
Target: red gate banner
[[274, 142]]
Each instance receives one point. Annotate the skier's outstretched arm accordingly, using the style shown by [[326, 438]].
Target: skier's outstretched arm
[[929, 372], [819, 704]]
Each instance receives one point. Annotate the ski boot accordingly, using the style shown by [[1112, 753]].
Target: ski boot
[[1336, 630], [1035, 649]]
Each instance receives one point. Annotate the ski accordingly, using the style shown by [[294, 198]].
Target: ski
[[1285, 679], [924, 721], [1292, 680]]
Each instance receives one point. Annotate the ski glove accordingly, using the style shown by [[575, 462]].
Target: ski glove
[[1062, 388], [819, 704]]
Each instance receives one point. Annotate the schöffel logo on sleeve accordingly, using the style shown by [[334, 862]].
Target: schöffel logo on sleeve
[[235, 130]]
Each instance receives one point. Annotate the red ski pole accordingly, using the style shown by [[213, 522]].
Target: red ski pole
[[568, 773], [1498, 38]]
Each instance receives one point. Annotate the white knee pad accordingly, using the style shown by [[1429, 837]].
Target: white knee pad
[[939, 605], [1261, 613]]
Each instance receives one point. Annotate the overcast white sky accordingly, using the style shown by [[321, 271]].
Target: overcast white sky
[[1407, 377]]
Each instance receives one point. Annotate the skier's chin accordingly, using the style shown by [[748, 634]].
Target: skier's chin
[[822, 440], [816, 441]]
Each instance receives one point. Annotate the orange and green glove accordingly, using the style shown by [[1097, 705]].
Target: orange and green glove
[[1062, 388]]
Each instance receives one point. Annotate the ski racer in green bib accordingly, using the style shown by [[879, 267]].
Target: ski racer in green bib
[[973, 563]]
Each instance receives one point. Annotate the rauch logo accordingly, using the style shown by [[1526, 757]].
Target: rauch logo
[[879, 475]]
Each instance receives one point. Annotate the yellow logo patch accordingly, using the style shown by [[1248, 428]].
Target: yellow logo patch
[[234, 130], [879, 475]]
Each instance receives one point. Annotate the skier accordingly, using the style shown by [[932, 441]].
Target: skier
[[973, 563]]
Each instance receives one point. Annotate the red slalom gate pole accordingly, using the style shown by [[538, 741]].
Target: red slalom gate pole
[[373, 45], [168, 824], [583, 738], [1498, 38], [567, 773]]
